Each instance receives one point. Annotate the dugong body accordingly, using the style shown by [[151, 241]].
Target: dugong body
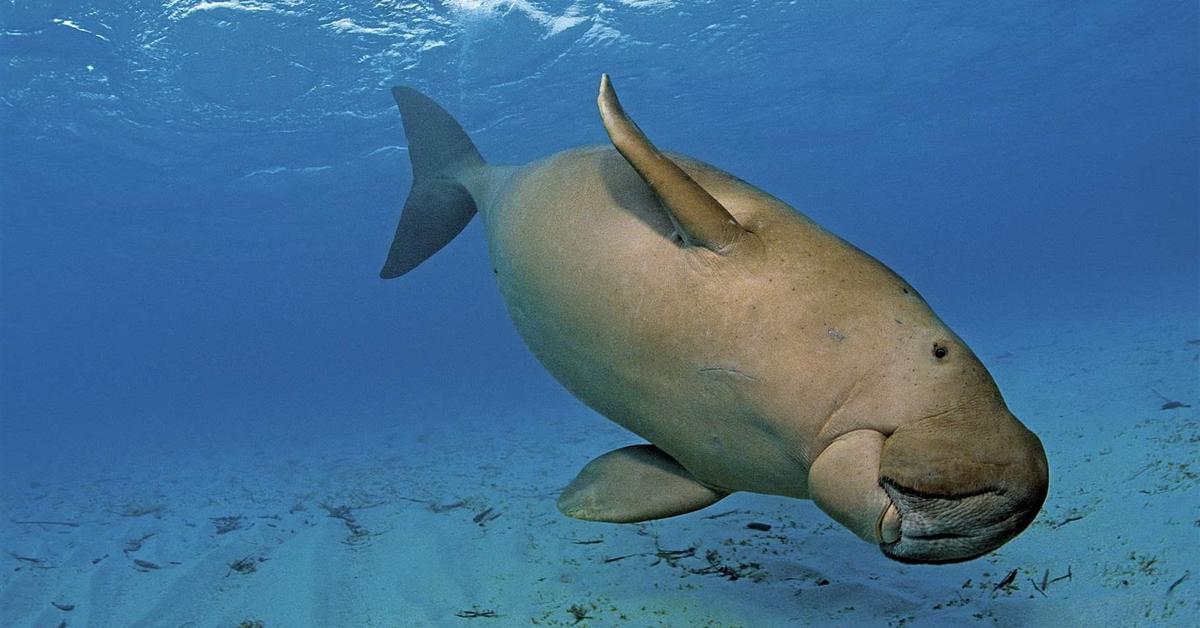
[[752, 349]]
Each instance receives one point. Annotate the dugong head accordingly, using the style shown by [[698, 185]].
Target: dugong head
[[961, 473], [925, 459], [961, 484]]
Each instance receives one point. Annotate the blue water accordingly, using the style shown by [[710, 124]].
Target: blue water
[[196, 197]]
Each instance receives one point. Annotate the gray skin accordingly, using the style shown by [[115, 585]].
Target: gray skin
[[752, 349]]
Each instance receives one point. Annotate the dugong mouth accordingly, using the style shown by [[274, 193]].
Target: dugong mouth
[[949, 528]]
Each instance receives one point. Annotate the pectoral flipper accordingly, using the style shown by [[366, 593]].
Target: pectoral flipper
[[635, 483]]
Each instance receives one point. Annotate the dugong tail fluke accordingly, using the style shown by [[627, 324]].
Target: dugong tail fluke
[[439, 206]]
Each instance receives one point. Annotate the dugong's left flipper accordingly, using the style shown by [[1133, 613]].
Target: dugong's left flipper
[[635, 483], [698, 218]]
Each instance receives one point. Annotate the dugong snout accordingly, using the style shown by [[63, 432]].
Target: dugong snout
[[962, 484]]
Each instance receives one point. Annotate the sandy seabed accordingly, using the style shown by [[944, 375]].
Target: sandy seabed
[[452, 523]]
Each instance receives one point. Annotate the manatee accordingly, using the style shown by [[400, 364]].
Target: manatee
[[752, 349]]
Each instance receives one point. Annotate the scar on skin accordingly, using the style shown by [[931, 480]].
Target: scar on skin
[[729, 371]]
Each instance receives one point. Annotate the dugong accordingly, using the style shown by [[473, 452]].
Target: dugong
[[753, 350]]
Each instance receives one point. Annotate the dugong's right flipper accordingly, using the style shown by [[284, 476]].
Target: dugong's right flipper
[[635, 483]]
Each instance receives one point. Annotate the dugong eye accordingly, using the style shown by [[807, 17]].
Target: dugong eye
[[939, 350]]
